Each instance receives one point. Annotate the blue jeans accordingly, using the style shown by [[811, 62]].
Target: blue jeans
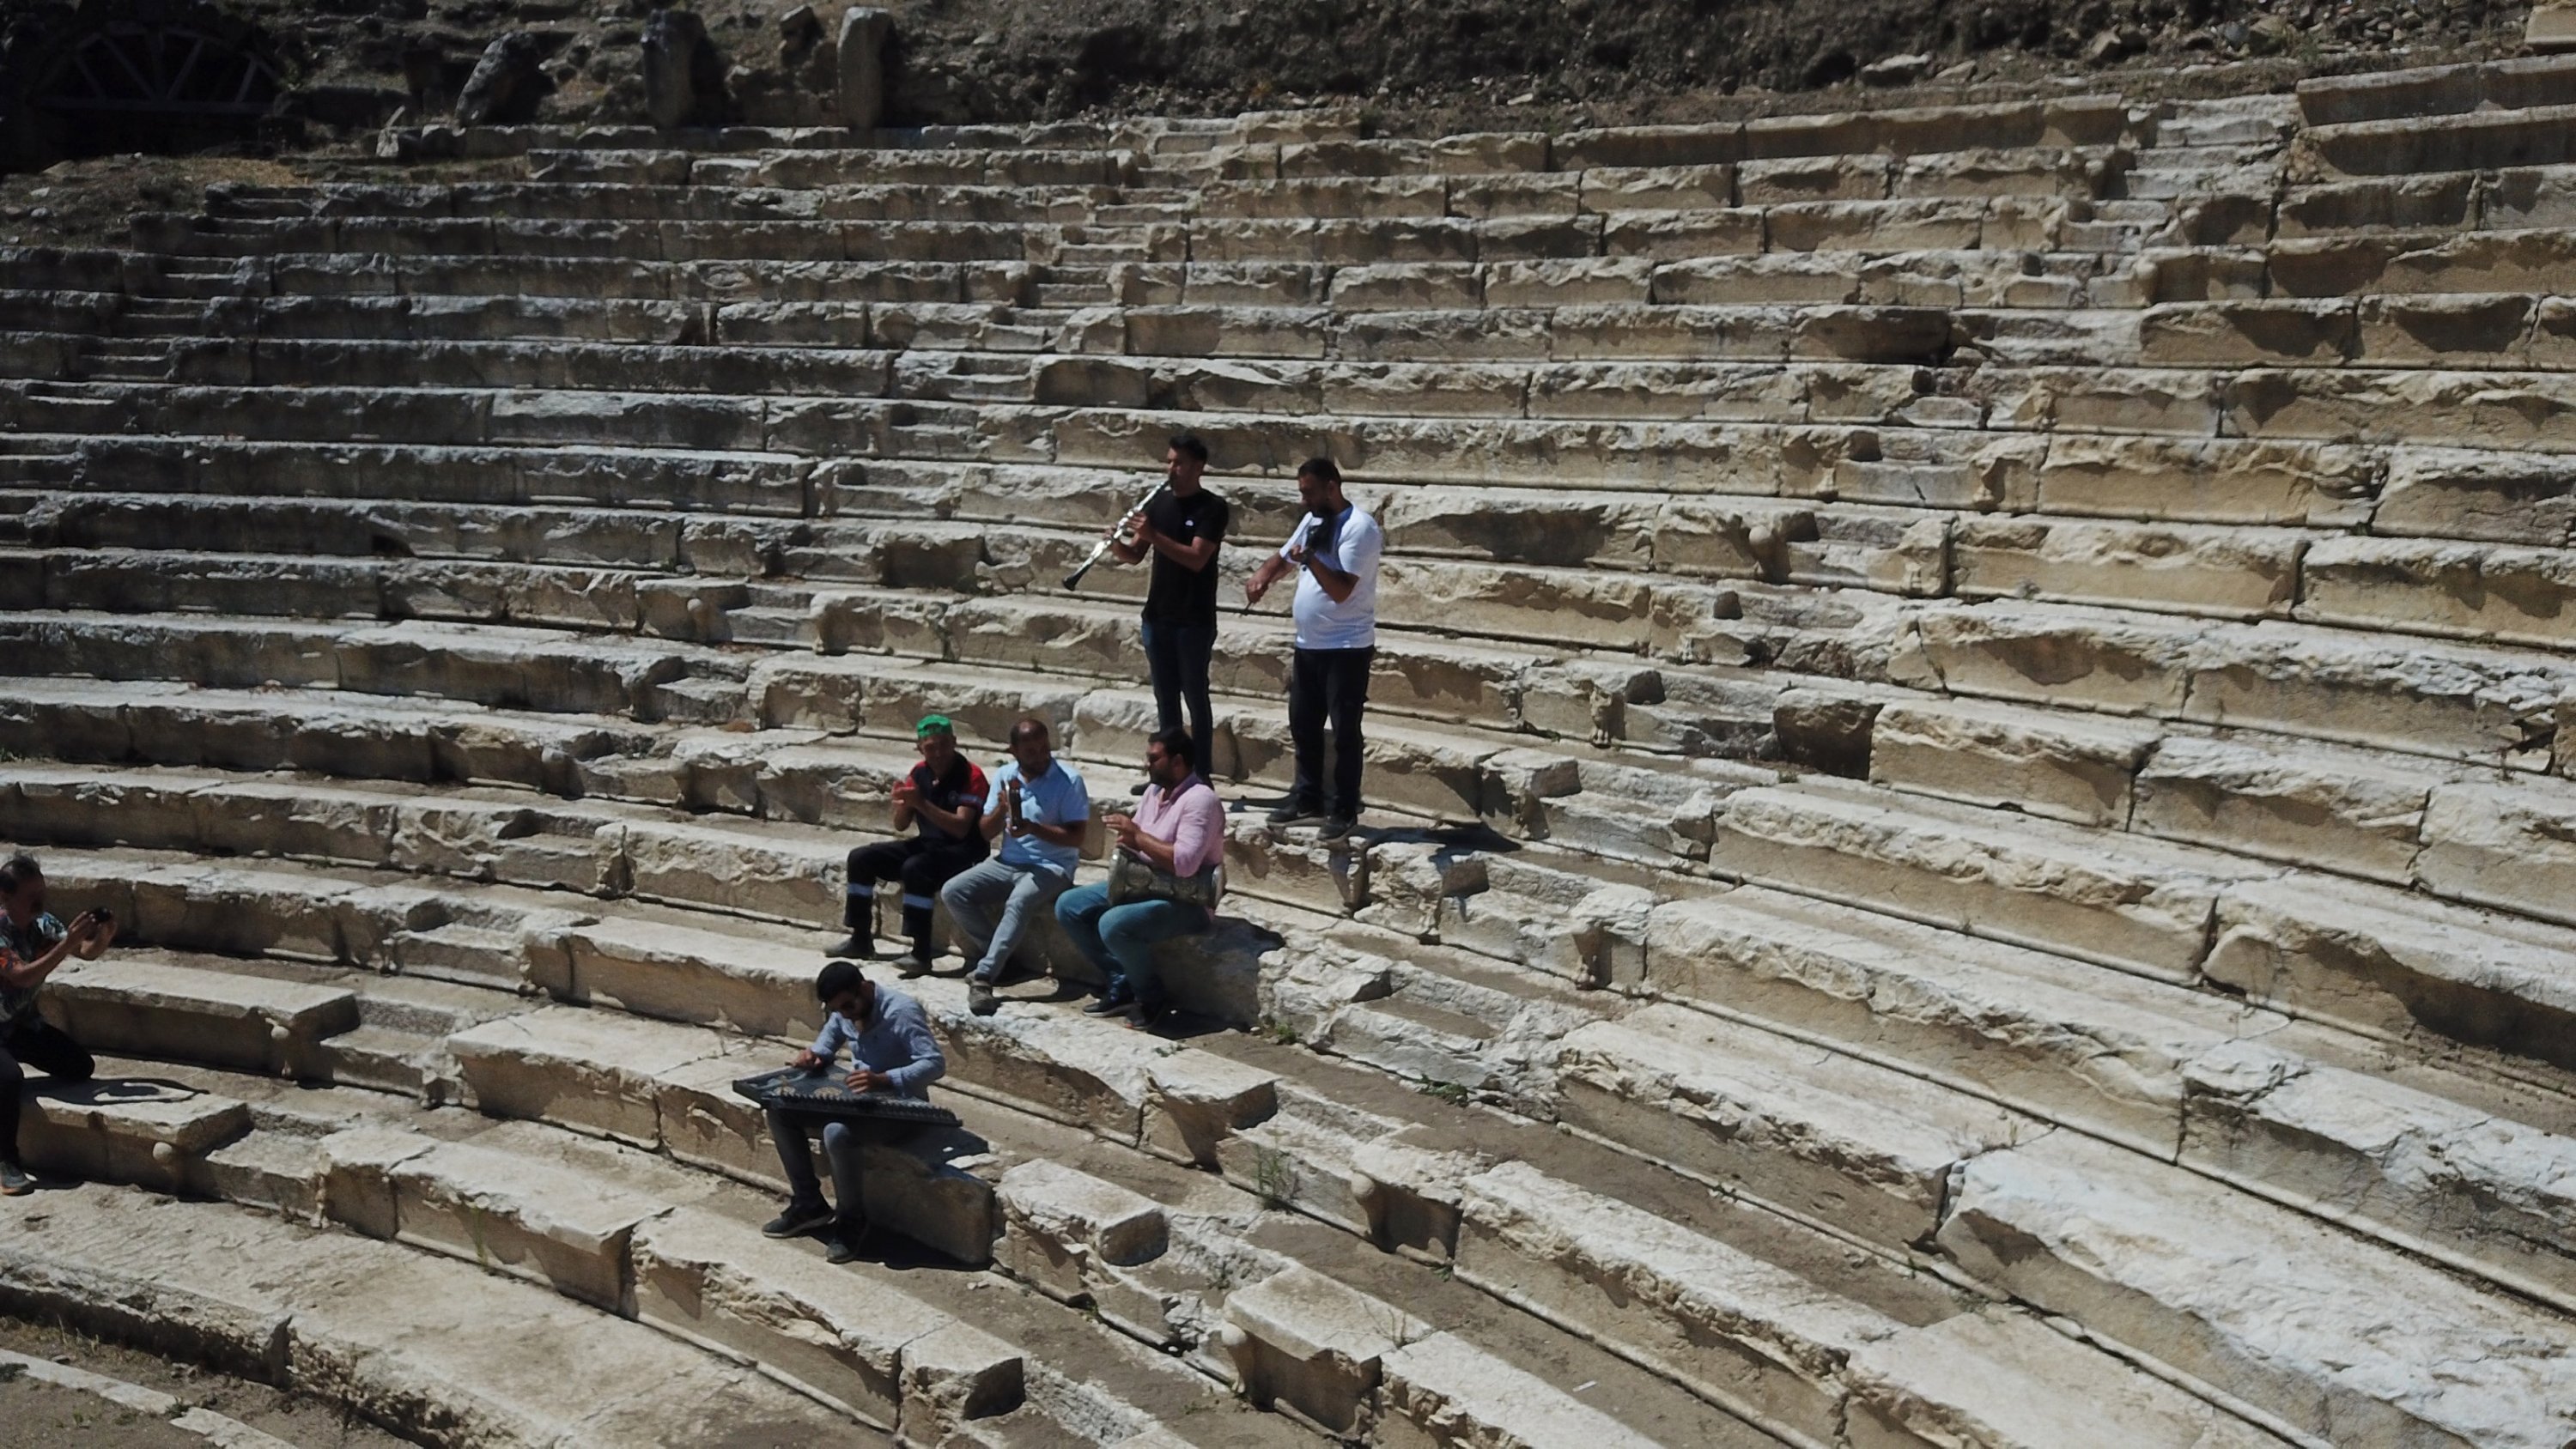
[[1120, 939], [841, 1145], [1176, 655], [986, 938]]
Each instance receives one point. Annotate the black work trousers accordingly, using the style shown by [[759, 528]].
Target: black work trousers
[[1328, 687], [922, 864], [40, 1044]]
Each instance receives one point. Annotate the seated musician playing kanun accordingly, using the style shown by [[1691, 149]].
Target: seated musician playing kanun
[[891, 1050]]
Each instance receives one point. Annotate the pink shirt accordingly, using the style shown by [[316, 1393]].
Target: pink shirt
[[1191, 817]]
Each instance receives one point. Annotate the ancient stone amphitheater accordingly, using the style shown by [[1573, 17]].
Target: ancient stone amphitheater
[[1973, 842]]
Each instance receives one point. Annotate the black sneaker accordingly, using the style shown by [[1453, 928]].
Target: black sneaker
[[911, 964], [1339, 828], [854, 947], [841, 1245], [14, 1181], [1116, 1003], [797, 1221], [1141, 1017], [1294, 812], [980, 998]]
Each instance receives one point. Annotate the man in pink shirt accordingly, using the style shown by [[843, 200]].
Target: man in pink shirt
[[1179, 829]]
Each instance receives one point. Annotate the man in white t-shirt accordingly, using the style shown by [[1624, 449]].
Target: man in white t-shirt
[[1334, 552]]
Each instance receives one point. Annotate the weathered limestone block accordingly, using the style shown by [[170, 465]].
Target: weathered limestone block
[[590, 1070], [2485, 705], [1067, 1230], [675, 973], [1490, 198], [1673, 235], [550, 1224], [2071, 1043], [2008, 1381], [2064, 767], [106, 1131], [2514, 497], [2461, 408], [1777, 278], [1442, 1390], [2134, 902], [1196, 1100], [2475, 331], [2394, 963], [1588, 281], [1743, 392], [1732, 1327], [2470, 591], [2355, 1147], [2346, 811], [2213, 481], [712, 1281], [2500, 844], [1306, 1342], [2287, 332], [1849, 1143], [2258, 1301], [144, 1008]]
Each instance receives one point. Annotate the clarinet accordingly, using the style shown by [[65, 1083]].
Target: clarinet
[[1117, 531]]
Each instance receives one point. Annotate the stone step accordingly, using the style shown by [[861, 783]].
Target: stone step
[[310, 1312], [2137, 904], [144, 1007], [2234, 1293], [2485, 706]]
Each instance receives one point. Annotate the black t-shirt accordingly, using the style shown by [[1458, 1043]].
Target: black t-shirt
[[962, 787], [1176, 595]]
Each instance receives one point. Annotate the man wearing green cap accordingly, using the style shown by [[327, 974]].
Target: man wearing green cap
[[944, 797]]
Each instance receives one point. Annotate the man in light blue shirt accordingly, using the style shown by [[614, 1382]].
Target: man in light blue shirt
[[1040, 811], [891, 1050], [1334, 553]]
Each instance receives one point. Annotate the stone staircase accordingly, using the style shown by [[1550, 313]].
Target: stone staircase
[[1969, 824]]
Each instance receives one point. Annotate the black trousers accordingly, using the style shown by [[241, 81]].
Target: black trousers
[[922, 864], [40, 1044], [1328, 686]]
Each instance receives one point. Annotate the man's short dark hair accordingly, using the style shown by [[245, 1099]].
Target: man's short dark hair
[[1191, 444], [837, 979], [19, 872], [1176, 743], [1320, 467], [1029, 723]]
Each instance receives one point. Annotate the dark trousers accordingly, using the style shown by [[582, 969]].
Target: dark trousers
[[1177, 655], [39, 1044], [1328, 686], [922, 864]]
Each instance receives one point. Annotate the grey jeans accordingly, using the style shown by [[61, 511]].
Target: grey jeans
[[1024, 895]]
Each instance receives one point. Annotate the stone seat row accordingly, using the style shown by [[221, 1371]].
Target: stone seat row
[[640, 1243], [2480, 704], [778, 184], [2150, 914], [584, 1073], [2387, 489], [1568, 313], [1302, 1337], [180, 288], [1626, 1053], [1333, 138], [1962, 223], [588, 186], [305, 1311]]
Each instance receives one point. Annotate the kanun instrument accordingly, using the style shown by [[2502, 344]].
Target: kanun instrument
[[822, 1093]]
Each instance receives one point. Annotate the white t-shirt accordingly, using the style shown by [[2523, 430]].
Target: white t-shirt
[[1351, 543]]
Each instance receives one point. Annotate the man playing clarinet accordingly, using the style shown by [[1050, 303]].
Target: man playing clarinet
[[1183, 526], [891, 1050]]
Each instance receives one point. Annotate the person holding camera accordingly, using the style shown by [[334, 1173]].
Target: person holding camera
[[1163, 881], [32, 944]]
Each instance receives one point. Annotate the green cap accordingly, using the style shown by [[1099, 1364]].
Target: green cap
[[934, 724]]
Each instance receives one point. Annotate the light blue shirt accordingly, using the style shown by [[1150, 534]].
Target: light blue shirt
[[1351, 542], [895, 1041], [1057, 797]]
